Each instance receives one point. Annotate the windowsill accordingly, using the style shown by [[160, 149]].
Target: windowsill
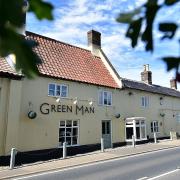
[[130, 140], [58, 97], [69, 146], [155, 132], [105, 105]]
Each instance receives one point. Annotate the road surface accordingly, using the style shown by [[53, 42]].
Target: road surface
[[145, 166]]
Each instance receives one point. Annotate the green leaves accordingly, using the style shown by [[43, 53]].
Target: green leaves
[[170, 2], [42, 10], [136, 18], [128, 17], [172, 62], [133, 31], [169, 29], [11, 11], [11, 42]]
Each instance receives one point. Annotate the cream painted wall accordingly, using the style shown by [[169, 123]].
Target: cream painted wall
[[13, 117], [4, 92], [42, 132]]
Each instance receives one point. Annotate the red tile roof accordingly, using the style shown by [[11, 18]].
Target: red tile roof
[[61, 60], [7, 71]]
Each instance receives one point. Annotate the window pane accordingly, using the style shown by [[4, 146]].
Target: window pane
[[142, 101], [107, 127], [58, 90], [137, 133], [105, 98], [103, 127], [62, 132], [109, 98], [68, 123], [75, 132], [143, 132], [51, 90], [142, 122], [68, 140], [64, 91], [68, 131], [61, 140], [129, 132], [75, 123], [74, 140], [62, 123], [100, 98]]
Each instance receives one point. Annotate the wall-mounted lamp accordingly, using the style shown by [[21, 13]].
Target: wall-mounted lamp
[[58, 100], [117, 115], [130, 93], [75, 100], [162, 114], [32, 115], [90, 102]]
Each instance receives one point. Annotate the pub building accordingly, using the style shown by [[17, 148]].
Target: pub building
[[79, 98]]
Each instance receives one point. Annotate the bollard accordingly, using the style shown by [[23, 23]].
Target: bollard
[[102, 145], [171, 138], [12, 160], [64, 150], [133, 141], [155, 138]]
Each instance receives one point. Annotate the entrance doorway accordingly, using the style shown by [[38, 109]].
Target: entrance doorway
[[106, 133], [135, 126]]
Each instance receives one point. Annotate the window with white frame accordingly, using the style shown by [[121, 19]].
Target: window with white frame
[[178, 117], [58, 90], [105, 98], [144, 101], [68, 132], [154, 126]]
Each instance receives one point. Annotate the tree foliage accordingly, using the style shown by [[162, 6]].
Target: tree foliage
[[12, 17], [145, 15]]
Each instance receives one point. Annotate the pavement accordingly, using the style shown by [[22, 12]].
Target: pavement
[[57, 164]]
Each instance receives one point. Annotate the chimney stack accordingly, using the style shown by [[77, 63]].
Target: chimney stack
[[146, 75], [94, 41], [173, 83]]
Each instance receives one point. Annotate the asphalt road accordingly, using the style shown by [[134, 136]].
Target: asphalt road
[[144, 166]]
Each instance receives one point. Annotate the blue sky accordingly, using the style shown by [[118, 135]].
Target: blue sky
[[73, 18]]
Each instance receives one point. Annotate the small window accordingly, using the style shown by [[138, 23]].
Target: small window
[[154, 126], [58, 90], [178, 118], [105, 98], [145, 101]]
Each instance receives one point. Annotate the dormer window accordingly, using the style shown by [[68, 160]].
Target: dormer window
[[105, 98], [59, 90]]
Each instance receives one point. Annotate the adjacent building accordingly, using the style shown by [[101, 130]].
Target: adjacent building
[[79, 98]]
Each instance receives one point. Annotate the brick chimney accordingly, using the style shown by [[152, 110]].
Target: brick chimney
[[146, 75], [173, 83], [25, 7], [94, 41]]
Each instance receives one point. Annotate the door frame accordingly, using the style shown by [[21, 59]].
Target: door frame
[[110, 129]]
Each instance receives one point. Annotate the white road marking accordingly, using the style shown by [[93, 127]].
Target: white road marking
[[143, 178], [161, 175], [90, 164]]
